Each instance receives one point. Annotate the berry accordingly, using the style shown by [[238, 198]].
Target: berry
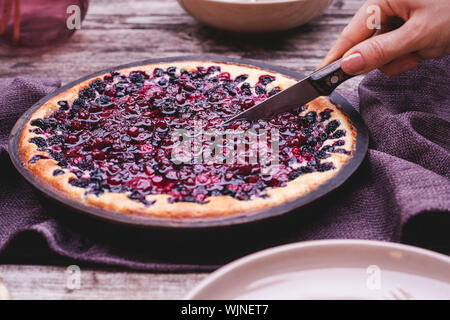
[[325, 115], [58, 172], [133, 131], [87, 93], [63, 105], [116, 136], [40, 123], [39, 141], [56, 139], [338, 134], [266, 79], [137, 77], [311, 117], [332, 126]]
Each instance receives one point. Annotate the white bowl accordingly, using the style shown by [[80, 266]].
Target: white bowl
[[4, 294], [254, 15], [331, 269]]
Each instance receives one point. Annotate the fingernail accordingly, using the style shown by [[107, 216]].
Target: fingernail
[[353, 64]]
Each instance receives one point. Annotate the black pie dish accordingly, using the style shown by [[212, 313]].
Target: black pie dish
[[349, 168]]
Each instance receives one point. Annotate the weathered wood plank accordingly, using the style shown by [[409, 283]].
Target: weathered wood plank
[[127, 31], [45, 282]]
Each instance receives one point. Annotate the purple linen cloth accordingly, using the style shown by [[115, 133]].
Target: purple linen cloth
[[400, 193]]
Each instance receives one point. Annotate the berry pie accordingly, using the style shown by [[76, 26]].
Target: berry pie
[[109, 141]]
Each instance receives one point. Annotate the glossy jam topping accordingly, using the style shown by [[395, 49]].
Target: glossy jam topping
[[116, 135]]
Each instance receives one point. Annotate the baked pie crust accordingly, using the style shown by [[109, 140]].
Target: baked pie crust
[[43, 166]]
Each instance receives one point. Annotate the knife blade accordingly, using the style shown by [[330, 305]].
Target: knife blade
[[320, 83]]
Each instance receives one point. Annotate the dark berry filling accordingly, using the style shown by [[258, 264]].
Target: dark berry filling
[[116, 135], [58, 172], [36, 158], [39, 141]]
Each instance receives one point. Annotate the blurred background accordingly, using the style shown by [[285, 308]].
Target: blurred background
[[115, 32]]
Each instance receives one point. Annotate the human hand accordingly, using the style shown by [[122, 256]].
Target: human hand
[[410, 31]]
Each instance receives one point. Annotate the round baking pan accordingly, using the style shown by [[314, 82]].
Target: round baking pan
[[193, 223]]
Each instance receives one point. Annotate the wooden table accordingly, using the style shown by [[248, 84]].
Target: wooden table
[[121, 31]]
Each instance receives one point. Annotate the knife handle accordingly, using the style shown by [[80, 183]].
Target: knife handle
[[328, 78]]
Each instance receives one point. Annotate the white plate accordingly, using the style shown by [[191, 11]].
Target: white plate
[[4, 294], [332, 269]]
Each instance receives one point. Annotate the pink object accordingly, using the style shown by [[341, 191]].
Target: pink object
[[354, 63], [38, 23]]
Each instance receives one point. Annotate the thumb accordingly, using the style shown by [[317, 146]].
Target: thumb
[[381, 49]]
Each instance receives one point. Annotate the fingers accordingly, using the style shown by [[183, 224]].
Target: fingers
[[410, 61], [380, 50], [357, 30], [400, 65], [353, 33], [432, 53], [411, 31]]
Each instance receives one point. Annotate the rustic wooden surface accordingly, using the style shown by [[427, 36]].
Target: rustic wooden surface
[[49, 282], [122, 31]]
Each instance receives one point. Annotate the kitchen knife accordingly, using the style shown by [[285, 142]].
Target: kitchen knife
[[320, 83]]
